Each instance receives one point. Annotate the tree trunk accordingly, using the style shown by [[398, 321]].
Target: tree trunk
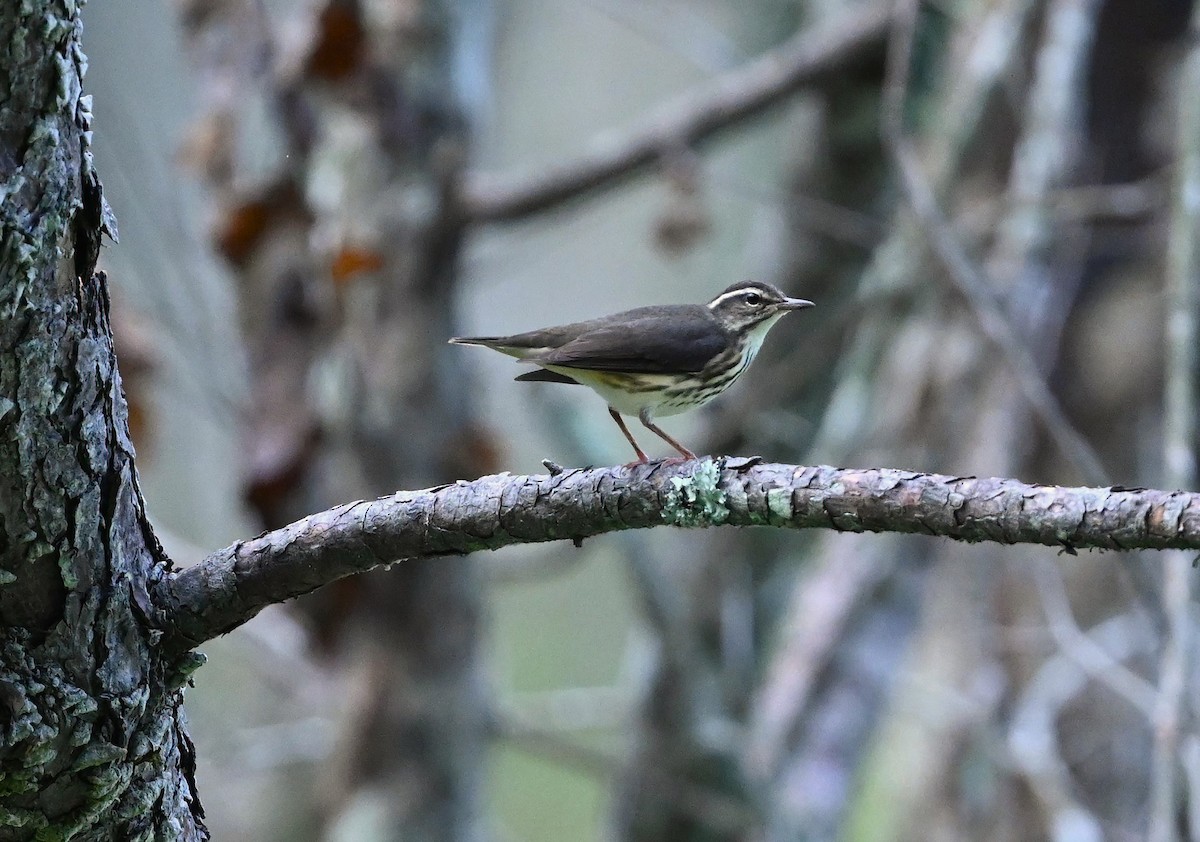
[[93, 744]]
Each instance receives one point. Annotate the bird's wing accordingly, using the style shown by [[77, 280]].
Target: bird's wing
[[655, 343]]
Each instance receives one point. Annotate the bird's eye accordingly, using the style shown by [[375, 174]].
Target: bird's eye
[[753, 299]]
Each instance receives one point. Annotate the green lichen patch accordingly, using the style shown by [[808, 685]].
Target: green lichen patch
[[182, 670], [98, 754], [18, 817], [779, 503], [697, 500]]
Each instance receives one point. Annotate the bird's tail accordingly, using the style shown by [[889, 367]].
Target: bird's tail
[[503, 344]]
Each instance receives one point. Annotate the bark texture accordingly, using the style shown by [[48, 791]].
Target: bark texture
[[92, 742], [231, 586]]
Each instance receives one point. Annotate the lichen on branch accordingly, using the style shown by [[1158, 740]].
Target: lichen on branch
[[232, 585]]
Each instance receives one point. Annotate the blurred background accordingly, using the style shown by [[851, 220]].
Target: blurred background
[[991, 202]]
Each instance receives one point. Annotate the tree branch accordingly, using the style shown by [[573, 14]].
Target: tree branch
[[232, 585], [726, 101]]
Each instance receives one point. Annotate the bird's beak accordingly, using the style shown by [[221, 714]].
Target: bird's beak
[[796, 304]]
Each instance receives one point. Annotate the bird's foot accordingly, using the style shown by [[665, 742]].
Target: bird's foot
[[662, 460]]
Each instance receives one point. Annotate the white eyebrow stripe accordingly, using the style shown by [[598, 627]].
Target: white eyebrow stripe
[[734, 293]]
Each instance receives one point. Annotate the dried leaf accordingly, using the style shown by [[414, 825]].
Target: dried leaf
[[352, 261]]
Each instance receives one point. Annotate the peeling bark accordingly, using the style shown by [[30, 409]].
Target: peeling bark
[[92, 742], [234, 584]]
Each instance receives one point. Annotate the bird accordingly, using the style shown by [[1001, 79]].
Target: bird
[[656, 361]]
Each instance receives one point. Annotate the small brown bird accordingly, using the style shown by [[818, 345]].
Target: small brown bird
[[654, 361]]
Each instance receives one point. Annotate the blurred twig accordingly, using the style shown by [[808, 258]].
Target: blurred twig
[[835, 221], [968, 278], [1179, 437], [1032, 739], [1098, 202], [1048, 148], [830, 677], [716, 810], [1191, 766], [1035, 263], [1083, 649], [821, 605], [987, 53], [727, 101], [1135, 202], [573, 708]]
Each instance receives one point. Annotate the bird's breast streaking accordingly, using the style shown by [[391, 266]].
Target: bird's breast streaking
[[654, 361]]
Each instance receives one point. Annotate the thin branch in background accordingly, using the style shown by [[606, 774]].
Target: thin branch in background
[[1179, 437], [968, 278], [821, 604], [727, 101], [990, 57], [1132, 201], [1190, 755], [1083, 649], [818, 775], [1032, 737], [837, 222], [1135, 202], [569, 709], [814, 214], [1048, 149], [1036, 262], [986, 50], [716, 810]]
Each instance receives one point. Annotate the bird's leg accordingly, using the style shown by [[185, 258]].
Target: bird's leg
[[628, 435], [644, 417]]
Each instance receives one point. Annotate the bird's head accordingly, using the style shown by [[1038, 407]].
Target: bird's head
[[750, 304]]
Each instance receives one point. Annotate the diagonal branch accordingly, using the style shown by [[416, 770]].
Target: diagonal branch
[[232, 585], [726, 101]]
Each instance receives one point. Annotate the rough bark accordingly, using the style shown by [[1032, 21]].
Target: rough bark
[[92, 741], [232, 585]]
